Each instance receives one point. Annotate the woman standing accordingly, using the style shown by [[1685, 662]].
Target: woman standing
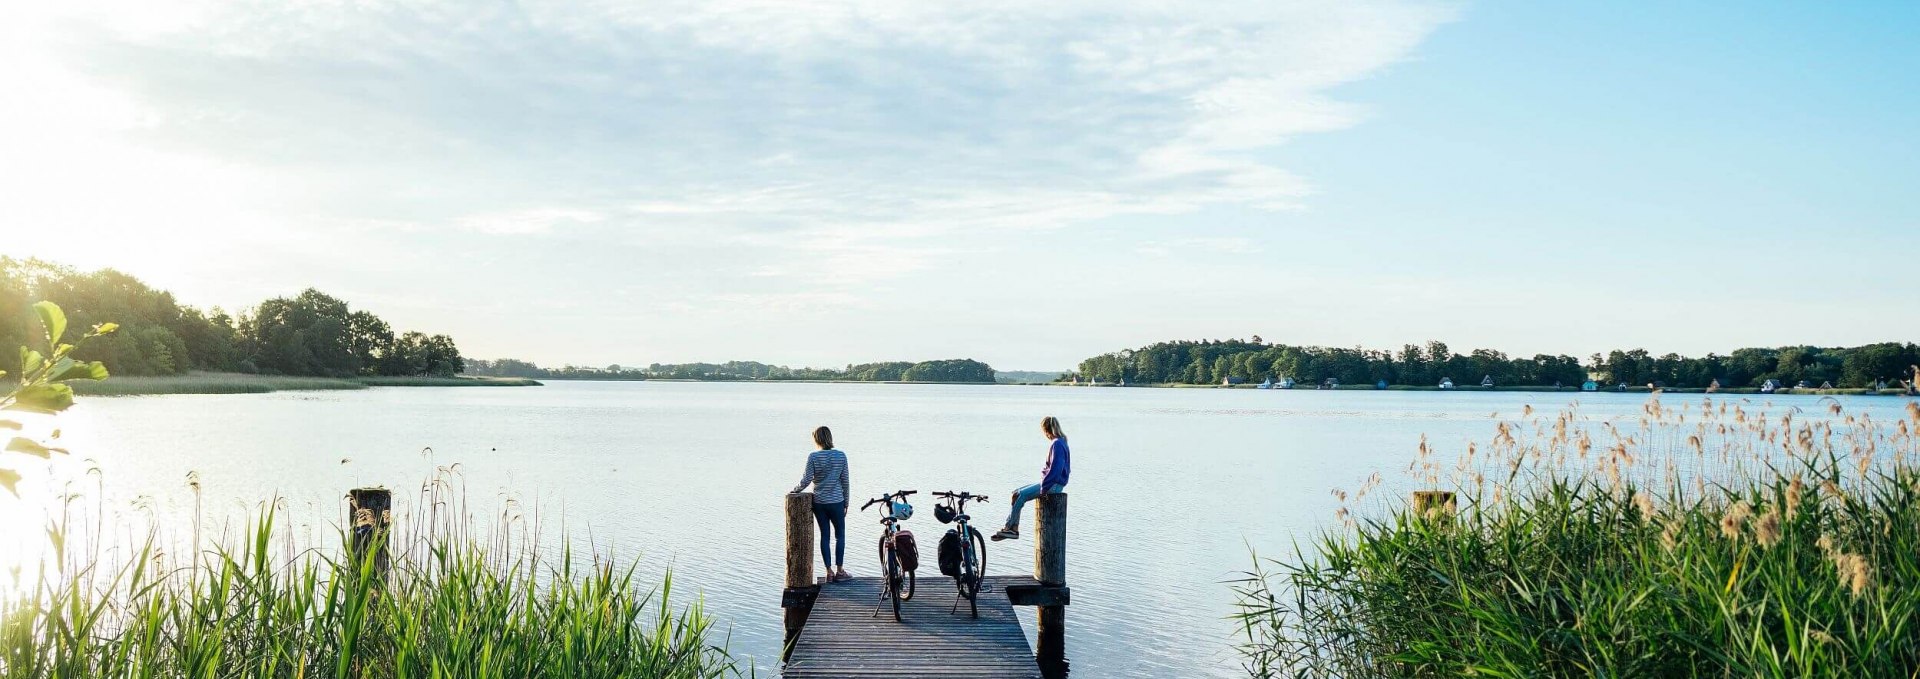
[[827, 472], [1053, 477]]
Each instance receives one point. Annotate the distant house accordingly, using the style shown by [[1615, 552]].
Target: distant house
[[1230, 381]]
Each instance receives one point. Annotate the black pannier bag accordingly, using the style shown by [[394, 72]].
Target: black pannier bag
[[906, 551], [950, 553]]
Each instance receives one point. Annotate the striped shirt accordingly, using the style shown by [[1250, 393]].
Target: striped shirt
[[827, 471]]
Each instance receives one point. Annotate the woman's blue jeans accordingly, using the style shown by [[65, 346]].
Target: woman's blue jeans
[[1024, 495], [833, 516]]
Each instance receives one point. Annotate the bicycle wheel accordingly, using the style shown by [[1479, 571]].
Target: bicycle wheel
[[890, 570], [909, 586], [978, 565]]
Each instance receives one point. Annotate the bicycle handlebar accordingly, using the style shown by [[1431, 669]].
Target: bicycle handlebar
[[902, 494], [962, 495]]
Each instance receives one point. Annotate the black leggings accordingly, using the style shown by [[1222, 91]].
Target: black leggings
[[832, 516]]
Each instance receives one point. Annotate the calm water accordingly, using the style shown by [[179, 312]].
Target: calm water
[[1170, 486]]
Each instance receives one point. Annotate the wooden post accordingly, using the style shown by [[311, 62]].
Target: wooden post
[[371, 511], [1426, 502], [800, 540], [1050, 568], [801, 588]]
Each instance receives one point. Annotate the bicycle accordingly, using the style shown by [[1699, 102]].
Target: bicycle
[[971, 571], [898, 578]]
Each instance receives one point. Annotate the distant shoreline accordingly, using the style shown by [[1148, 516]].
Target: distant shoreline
[[242, 383], [1740, 391]]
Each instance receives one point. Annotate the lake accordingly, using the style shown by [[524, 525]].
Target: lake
[[1171, 487]]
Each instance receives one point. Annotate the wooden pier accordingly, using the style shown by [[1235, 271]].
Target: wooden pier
[[841, 629]]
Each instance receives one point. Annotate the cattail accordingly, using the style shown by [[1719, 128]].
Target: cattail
[[1644, 503], [1832, 490], [1825, 543], [1670, 537], [1766, 531], [1794, 489], [1735, 519], [1854, 571]]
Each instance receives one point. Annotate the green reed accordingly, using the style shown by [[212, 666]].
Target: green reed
[[1792, 549], [451, 605]]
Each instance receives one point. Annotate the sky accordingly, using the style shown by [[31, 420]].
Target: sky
[[1026, 184]]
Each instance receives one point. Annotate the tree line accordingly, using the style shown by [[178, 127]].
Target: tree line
[[1216, 361], [310, 334], [949, 370]]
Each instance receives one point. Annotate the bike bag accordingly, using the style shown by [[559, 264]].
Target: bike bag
[[950, 553], [905, 550]]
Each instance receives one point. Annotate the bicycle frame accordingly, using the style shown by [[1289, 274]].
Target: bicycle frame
[[968, 583], [897, 583]]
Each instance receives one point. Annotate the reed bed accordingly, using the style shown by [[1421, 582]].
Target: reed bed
[[210, 383], [240, 383], [1710, 540], [457, 602]]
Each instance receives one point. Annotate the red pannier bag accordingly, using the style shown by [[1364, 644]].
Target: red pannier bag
[[906, 551]]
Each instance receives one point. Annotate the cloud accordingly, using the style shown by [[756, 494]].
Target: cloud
[[796, 151]]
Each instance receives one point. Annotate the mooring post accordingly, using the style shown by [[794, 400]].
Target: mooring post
[[371, 512], [1050, 568], [1433, 504], [801, 588]]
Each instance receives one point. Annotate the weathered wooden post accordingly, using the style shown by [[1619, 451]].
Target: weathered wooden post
[[1050, 568], [801, 588], [1433, 504], [371, 512]]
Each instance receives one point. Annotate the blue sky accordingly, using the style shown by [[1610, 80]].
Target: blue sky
[[1027, 184]]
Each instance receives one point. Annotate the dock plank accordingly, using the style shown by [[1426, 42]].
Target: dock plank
[[843, 637]]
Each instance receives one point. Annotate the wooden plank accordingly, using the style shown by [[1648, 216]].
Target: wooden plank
[[844, 637]]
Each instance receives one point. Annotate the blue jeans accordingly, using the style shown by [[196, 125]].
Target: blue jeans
[[832, 516], [1022, 496]]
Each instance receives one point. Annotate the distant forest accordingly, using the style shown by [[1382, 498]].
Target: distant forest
[[1211, 362], [308, 334], [951, 370]]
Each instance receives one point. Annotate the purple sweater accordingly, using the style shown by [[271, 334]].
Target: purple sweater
[[1059, 462]]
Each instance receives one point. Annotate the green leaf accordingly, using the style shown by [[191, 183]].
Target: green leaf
[[91, 370], [43, 398], [7, 478], [53, 319], [104, 328], [30, 361], [22, 444]]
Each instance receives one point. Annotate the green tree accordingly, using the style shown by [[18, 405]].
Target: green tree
[[41, 384]]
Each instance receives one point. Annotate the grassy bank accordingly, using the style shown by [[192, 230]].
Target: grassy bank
[[1789, 549], [451, 606], [239, 383]]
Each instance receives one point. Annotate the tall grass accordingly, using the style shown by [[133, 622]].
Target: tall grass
[[454, 604], [1693, 543]]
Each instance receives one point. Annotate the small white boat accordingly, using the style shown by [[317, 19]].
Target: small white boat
[[1266, 384]]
